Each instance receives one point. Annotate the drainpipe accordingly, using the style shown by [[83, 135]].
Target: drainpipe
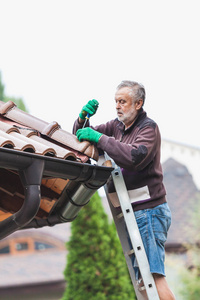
[[73, 198], [74, 201], [31, 178]]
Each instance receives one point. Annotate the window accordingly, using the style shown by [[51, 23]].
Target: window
[[21, 246], [27, 245], [42, 246], [5, 250]]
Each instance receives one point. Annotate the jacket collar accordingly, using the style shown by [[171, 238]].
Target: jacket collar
[[141, 115]]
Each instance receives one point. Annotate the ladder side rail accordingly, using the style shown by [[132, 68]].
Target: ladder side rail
[[121, 231], [135, 236], [133, 231]]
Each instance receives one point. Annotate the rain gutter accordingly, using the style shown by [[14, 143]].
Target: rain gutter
[[84, 180]]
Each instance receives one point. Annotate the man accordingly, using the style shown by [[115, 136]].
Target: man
[[133, 142]]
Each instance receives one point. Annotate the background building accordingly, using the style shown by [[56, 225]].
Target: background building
[[32, 261]]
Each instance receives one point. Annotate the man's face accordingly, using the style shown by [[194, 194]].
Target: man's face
[[126, 107]]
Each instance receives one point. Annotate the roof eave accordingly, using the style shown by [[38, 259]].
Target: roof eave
[[31, 167]]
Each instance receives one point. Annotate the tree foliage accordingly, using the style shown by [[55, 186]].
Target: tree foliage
[[18, 101], [96, 267], [191, 277], [1, 89]]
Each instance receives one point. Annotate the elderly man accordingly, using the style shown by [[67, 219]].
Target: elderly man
[[133, 141]]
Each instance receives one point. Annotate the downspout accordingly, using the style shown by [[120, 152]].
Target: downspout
[[31, 178], [73, 198]]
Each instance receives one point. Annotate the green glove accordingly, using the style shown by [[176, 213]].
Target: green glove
[[90, 107], [88, 134]]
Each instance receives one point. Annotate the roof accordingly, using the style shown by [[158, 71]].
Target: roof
[[14, 272], [23, 132], [37, 259], [182, 195], [46, 175]]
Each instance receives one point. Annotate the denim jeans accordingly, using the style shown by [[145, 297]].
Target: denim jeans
[[153, 225]]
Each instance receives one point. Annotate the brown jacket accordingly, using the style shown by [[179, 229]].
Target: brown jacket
[[137, 151]]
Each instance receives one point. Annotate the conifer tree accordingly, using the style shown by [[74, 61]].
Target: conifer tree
[[96, 267], [18, 101], [1, 89]]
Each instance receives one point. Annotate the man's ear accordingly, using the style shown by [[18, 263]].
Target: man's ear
[[138, 104]]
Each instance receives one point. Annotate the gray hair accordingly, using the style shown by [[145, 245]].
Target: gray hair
[[137, 89]]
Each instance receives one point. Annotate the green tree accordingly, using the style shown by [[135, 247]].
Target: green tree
[[18, 101], [96, 267], [191, 277], [1, 89]]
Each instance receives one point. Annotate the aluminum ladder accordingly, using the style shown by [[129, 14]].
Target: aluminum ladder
[[127, 220]]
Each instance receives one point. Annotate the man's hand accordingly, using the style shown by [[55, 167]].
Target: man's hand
[[90, 107], [88, 134]]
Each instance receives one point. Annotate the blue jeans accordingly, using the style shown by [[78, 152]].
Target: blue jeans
[[153, 225]]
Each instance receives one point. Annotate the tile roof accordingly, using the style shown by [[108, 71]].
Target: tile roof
[[182, 196], [32, 268], [45, 173], [24, 132], [14, 270]]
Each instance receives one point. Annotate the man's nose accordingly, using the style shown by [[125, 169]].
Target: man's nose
[[118, 105]]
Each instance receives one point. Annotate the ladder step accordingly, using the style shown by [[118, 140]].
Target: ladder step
[[140, 285], [119, 216], [131, 252], [141, 288]]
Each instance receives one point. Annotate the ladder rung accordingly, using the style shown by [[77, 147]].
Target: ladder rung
[[119, 216], [131, 252], [141, 288]]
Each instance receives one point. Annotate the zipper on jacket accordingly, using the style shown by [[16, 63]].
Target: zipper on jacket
[[122, 136]]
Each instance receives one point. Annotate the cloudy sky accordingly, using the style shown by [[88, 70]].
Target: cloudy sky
[[58, 54]]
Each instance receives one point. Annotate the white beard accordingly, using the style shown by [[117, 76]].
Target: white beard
[[128, 117]]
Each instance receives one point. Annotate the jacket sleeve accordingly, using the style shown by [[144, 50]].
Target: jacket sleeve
[[103, 128], [76, 126], [137, 154]]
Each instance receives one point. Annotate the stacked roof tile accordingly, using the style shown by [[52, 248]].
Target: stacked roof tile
[[30, 145], [24, 132]]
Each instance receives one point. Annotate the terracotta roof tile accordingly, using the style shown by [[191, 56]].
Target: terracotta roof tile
[[18, 141], [7, 143], [24, 132], [45, 175]]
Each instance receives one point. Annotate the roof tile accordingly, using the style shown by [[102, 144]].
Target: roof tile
[[42, 191], [19, 143], [24, 132]]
